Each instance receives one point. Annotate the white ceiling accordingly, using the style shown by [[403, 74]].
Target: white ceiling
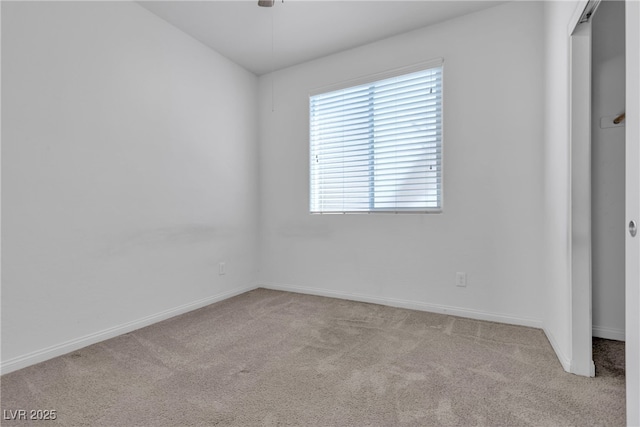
[[302, 29]]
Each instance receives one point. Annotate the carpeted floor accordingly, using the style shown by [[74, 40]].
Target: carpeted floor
[[608, 356], [269, 358]]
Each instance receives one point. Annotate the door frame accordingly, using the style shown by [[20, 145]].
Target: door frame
[[581, 308], [580, 191]]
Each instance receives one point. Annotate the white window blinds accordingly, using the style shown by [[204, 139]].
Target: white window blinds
[[376, 146]]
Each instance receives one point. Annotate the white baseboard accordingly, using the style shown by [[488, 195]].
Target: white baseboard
[[413, 305], [78, 343], [608, 333], [562, 358]]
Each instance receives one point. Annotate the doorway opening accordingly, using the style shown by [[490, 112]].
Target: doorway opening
[[597, 183], [608, 187]]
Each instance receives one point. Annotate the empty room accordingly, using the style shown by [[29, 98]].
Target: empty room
[[320, 213]]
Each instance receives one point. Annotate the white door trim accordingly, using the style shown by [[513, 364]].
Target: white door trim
[[580, 197]]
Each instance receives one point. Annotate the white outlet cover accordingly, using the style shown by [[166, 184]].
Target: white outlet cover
[[461, 279]]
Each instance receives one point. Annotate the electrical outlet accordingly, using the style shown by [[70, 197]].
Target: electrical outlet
[[222, 268], [461, 279]]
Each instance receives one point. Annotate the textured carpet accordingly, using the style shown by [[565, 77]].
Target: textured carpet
[[269, 358], [608, 355]]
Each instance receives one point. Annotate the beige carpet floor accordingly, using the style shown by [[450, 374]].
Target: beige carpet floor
[[268, 358]]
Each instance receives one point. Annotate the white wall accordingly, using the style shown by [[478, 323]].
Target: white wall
[[607, 179], [128, 172], [491, 225]]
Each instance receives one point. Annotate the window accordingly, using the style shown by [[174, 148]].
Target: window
[[376, 146]]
